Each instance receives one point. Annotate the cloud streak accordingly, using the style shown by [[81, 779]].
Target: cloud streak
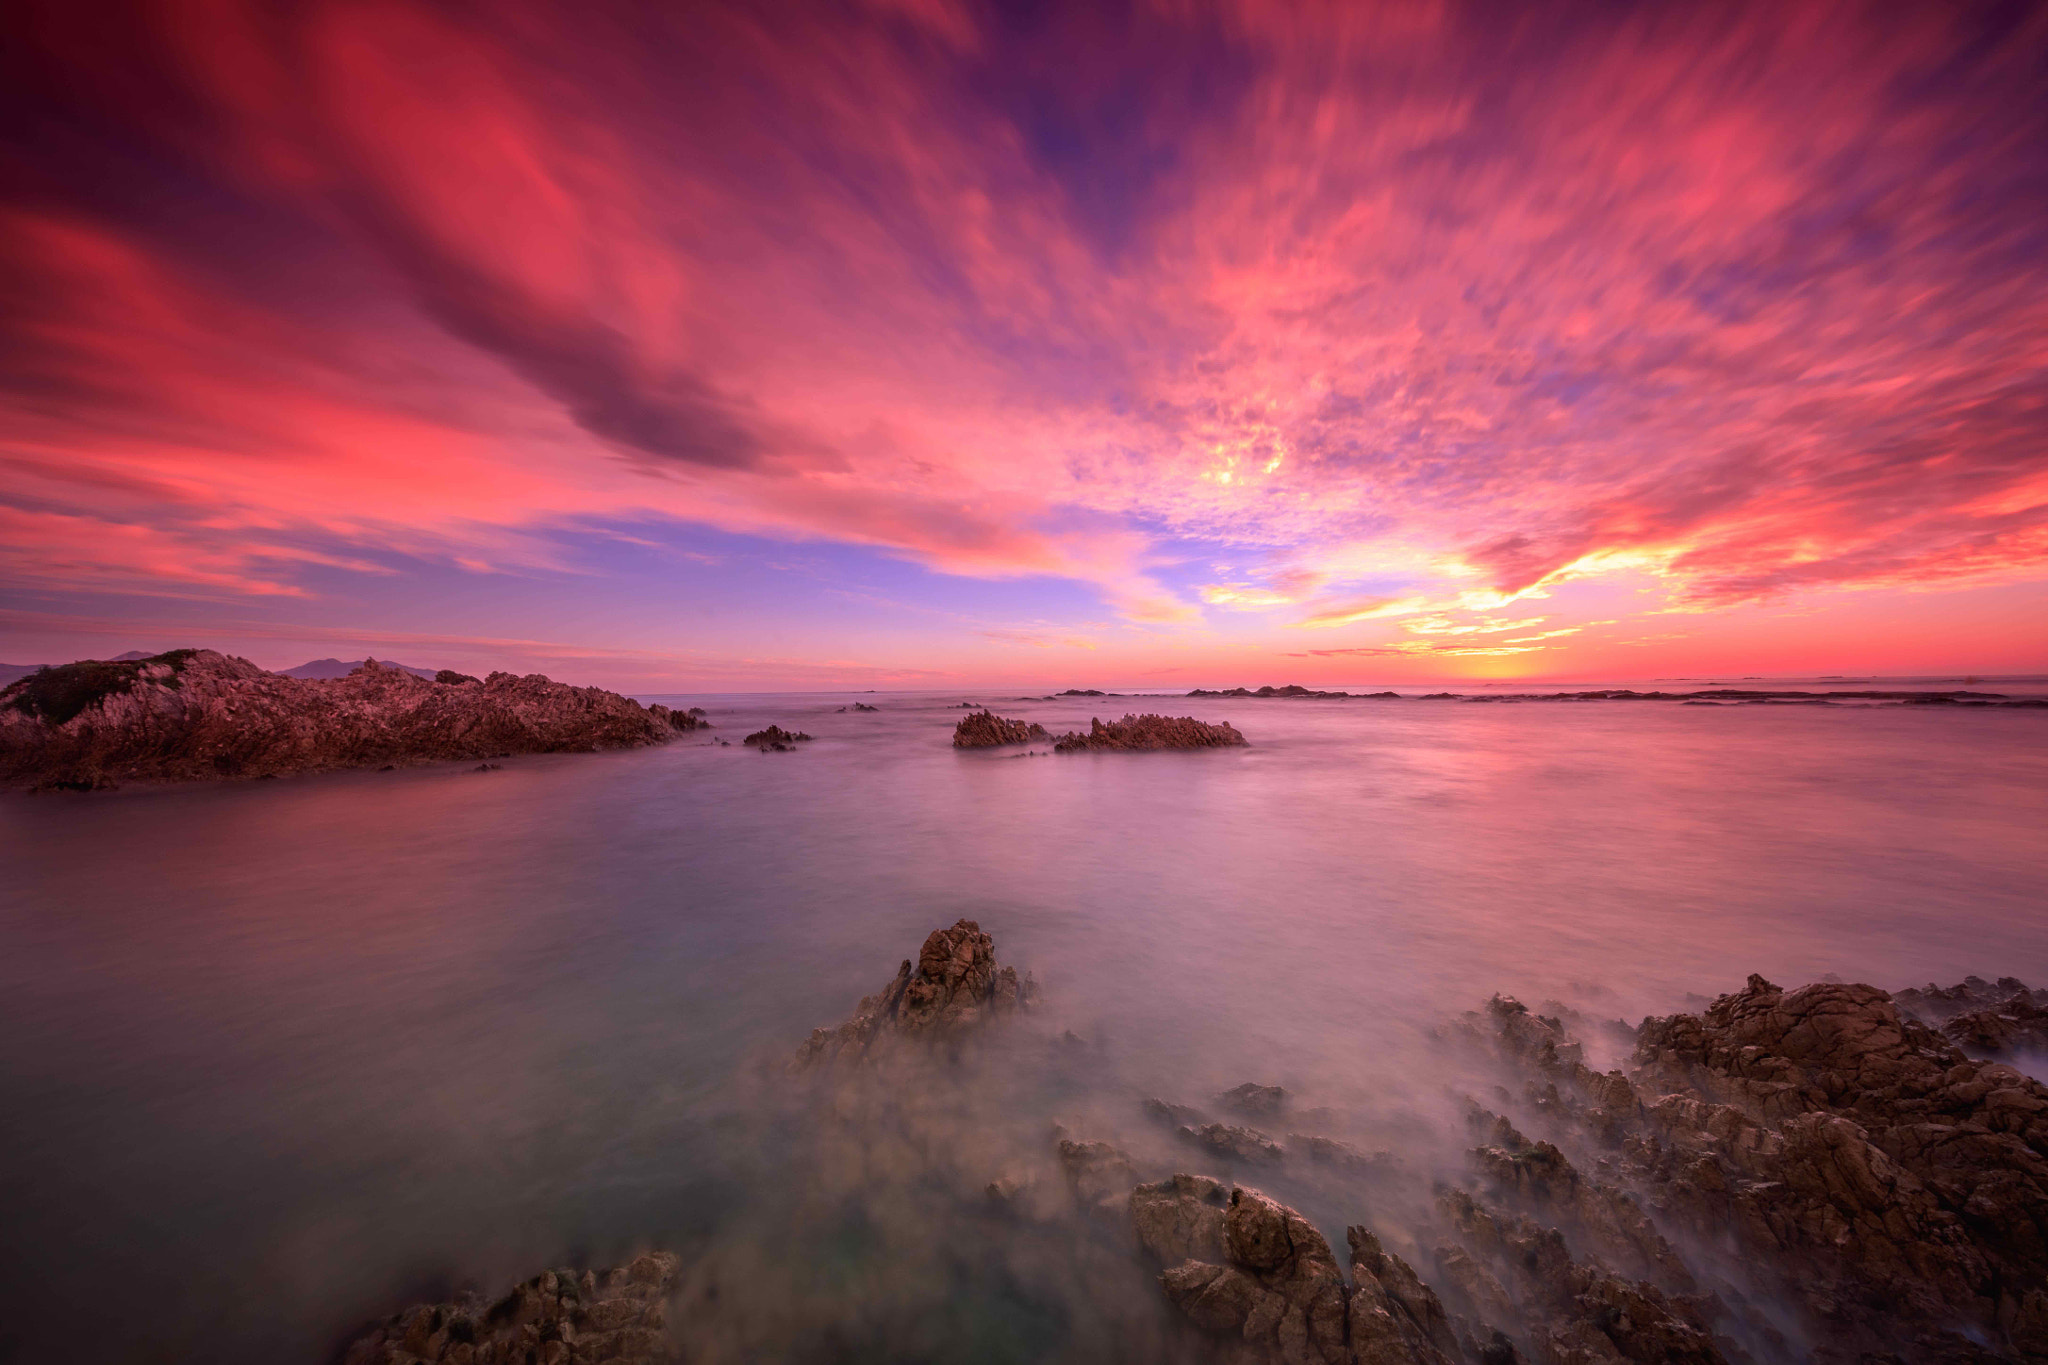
[[1412, 308]]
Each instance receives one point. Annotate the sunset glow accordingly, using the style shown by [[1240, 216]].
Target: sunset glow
[[912, 343]]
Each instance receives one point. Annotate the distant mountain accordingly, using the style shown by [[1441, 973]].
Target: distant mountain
[[335, 668]]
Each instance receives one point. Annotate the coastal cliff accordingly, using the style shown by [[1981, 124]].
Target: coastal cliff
[[195, 714]]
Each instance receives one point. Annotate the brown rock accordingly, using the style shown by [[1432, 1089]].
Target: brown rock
[[987, 730], [1149, 732], [196, 714], [954, 986]]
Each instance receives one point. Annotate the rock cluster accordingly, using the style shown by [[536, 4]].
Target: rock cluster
[[559, 1317], [1149, 732], [987, 730], [198, 714], [1252, 1272], [1860, 1168], [954, 986], [775, 739], [1983, 1018], [1294, 690]]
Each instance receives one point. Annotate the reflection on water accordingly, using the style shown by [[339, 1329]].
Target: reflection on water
[[282, 1054]]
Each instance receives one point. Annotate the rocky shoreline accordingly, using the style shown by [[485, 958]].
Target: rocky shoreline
[[1817, 1174], [196, 715]]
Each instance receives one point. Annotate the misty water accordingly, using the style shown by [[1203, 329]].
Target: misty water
[[283, 1056]]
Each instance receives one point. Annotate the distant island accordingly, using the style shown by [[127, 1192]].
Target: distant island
[[196, 714]]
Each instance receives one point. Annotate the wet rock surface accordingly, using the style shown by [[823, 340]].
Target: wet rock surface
[[1848, 1162], [199, 715], [987, 730], [560, 1317], [775, 739], [1803, 1175], [1149, 732], [954, 986]]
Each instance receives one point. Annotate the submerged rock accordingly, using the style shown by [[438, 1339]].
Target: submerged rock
[[986, 730], [1254, 1100], [954, 986], [1231, 1142], [196, 714], [1150, 732], [559, 1317], [775, 738]]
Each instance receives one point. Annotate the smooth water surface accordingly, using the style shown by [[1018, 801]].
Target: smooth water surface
[[280, 1055]]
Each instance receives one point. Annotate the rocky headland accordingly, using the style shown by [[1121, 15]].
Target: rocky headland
[[1786, 1175], [194, 714], [1149, 732], [987, 730]]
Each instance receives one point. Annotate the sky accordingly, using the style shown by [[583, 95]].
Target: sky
[[914, 344]]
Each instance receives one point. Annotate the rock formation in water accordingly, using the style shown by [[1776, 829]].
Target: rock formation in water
[[1786, 1175], [775, 739], [1149, 732], [196, 714], [954, 987], [1985, 1019], [1257, 1276], [1293, 690], [987, 730], [1859, 1168], [560, 1317]]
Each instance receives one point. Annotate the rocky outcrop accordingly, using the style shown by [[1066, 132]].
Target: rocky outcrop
[[560, 1317], [987, 730], [1256, 1275], [195, 714], [1857, 1164], [1149, 732], [954, 987], [1998, 1019], [775, 739], [1231, 1142], [1294, 690]]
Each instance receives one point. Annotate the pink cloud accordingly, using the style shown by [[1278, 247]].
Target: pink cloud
[[1750, 299]]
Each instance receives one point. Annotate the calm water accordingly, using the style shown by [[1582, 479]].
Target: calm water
[[280, 1055]]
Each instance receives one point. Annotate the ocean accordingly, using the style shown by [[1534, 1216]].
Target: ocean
[[282, 1056]]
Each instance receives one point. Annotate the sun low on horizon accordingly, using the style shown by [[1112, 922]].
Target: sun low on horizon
[[918, 344]]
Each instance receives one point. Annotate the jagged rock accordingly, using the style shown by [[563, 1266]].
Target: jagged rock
[[954, 986], [1394, 1318], [1173, 1115], [1860, 1165], [559, 1317], [2017, 1024], [1149, 732], [1295, 690], [195, 714], [987, 730], [1577, 1311], [1248, 1269], [1253, 1100], [1231, 1142], [775, 738]]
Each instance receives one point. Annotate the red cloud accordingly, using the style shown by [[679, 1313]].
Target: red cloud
[[1749, 296]]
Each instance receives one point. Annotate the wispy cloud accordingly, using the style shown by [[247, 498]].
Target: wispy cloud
[[1732, 300]]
